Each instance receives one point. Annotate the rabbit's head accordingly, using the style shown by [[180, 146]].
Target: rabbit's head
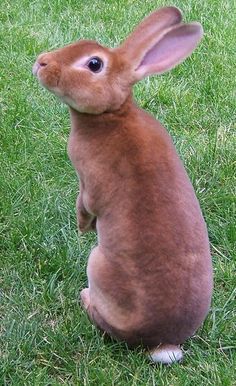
[[85, 75], [94, 79]]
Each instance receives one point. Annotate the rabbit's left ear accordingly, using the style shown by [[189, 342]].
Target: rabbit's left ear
[[175, 45], [159, 43]]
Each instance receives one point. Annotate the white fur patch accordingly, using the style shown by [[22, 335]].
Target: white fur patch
[[166, 354]]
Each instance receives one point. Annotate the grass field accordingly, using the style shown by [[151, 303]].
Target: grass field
[[45, 337]]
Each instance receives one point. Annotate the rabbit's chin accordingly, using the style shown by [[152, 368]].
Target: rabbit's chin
[[82, 108]]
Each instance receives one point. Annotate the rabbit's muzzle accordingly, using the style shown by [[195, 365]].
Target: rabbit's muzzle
[[47, 72], [37, 66]]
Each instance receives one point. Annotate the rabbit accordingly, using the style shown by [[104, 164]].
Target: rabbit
[[150, 276]]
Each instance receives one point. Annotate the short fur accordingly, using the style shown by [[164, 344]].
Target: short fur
[[150, 277]]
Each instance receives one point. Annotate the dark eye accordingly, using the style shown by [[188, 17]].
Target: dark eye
[[95, 64]]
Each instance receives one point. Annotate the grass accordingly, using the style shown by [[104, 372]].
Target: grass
[[45, 337]]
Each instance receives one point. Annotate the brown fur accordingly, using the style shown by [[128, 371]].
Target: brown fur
[[150, 277]]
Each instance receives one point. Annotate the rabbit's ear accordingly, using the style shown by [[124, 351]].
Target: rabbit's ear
[[150, 28], [159, 43], [176, 44]]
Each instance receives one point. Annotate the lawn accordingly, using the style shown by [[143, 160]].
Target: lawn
[[45, 336]]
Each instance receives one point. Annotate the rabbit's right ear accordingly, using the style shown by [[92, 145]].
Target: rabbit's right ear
[[159, 43]]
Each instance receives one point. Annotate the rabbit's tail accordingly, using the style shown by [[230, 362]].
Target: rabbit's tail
[[166, 354]]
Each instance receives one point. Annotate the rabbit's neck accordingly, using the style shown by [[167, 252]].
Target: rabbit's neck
[[90, 123]]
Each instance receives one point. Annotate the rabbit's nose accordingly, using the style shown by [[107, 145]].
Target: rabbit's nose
[[43, 64], [37, 65]]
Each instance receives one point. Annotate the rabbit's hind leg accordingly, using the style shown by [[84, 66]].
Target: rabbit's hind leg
[[85, 298]]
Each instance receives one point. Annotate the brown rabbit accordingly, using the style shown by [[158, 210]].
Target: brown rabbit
[[150, 277]]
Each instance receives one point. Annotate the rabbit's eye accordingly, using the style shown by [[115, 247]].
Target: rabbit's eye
[[95, 64]]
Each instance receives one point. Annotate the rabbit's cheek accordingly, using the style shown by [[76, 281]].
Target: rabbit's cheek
[[49, 77]]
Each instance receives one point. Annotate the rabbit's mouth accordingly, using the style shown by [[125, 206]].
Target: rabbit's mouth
[[36, 68]]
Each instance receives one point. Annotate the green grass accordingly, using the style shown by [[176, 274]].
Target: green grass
[[45, 337]]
